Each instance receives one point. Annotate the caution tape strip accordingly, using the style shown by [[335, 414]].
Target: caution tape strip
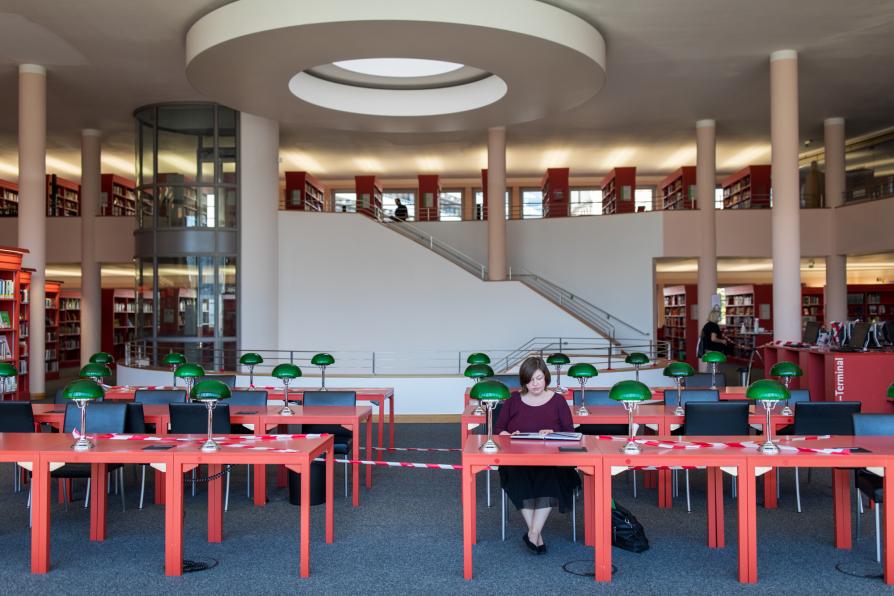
[[423, 449]]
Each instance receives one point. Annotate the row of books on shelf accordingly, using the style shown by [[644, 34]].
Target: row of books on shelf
[[812, 310], [5, 320], [70, 304], [52, 336], [50, 302], [25, 295], [744, 300], [71, 344], [810, 300], [7, 289], [23, 329], [23, 367], [5, 349], [52, 366], [872, 309], [675, 300], [125, 323], [125, 307], [70, 330], [51, 354]]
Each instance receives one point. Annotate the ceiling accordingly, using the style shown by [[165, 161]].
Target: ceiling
[[668, 65]]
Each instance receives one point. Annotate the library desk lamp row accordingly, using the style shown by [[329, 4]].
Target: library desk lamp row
[[558, 359], [478, 371], [285, 372], [490, 393], [8, 374], [786, 371], [638, 360], [678, 371], [94, 371], [251, 360], [769, 393], [582, 371], [174, 359], [714, 359]]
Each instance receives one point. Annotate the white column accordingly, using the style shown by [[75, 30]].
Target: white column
[[258, 246], [496, 206], [91, 284], [32, 209], [836, 263], [706, 179], [786, 203]]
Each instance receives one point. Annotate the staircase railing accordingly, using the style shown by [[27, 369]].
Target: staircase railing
[[442, 248]]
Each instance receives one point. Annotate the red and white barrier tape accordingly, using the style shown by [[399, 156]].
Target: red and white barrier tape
[[228, 439], [422, 449], [746, 445]]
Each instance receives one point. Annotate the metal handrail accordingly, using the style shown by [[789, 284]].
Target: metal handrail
[[442, 248]]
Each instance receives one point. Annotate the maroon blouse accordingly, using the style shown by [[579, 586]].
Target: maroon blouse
[[516, 415]]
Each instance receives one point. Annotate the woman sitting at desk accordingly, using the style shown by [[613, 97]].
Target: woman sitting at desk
[[535, 490], [712, 337]]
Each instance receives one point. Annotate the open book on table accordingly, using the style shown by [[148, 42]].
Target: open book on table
[[550, 437]]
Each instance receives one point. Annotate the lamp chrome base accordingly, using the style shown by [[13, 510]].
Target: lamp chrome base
[[490, 447], [560, 389], [323, 388], [83, 444], [787, 411], [583, 411], [286, 411], [769, 448], [479, 411], [210, 445], [679, 411], [631, 448]]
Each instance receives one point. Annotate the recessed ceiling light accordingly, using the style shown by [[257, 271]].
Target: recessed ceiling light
[[398, 67]]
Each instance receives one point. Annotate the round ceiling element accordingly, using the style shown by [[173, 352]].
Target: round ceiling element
[[396, 65]]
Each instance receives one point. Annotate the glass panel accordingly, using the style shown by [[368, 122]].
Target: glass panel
[[345, 201], [450, 205], [145, 284], [532, 203], [644, 198], [178, 280], [479, 202], [718, 198], [228, 295], [229, 355], [145, 163], [208, 305], [229, 210], [177, 206], [177, 155], [146, 209], [586, 201], [407, 197], [870, 171]]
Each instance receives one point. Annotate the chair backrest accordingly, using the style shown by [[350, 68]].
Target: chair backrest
[[134, 421], [874, 425], [694, 395], [510, 381], [798, 395], [16, 417], [825, 418], [160, 396], [703, 380], [716, 418], [192, 419], [244, 397], [103, 417], [594, 397], [228, 380], [330, 398]]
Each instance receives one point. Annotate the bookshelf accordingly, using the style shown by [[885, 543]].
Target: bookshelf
[[428, 204], [69, 328], [119, 316], [144, 318], [681, 322], [63, 197], [369, 196], [10, 304], [870, 302], [24, 332], [556, 192], [304, 192], [53, 294], [749, 188], [812, 305], [745, 308], [9, 199], [618, 190], [677, 191], [117, 196]]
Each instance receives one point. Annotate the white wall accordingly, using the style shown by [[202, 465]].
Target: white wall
[[348, 283], [113, 240]]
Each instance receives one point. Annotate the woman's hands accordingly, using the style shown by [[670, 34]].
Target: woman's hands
[[545, 431]]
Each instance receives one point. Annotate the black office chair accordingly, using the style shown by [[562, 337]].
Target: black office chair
[[343, 437], [159, 396], [714, 418], [192, 419], [244, 397], [797, 396], [228, 380], [16, 417], [102, 417], [688, 396], [823, 418], [868, 483], [704, 380]]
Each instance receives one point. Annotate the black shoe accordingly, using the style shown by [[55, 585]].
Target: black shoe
[[541, 550], [530, 544]]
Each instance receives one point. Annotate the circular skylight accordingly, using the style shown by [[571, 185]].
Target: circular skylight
[[398, 67]]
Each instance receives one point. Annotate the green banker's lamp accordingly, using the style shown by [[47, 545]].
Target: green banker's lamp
[[81, 392], [478, 372], [94, 371], [322, 360], [786, 371], [558, 359], [478, 358], [891, 392], [677, 371], [582, 371], [714, 359], [8, 375], [189, 373], [209, 392], [173, 359], [630, 393], [251, 360], [102, 358], [285, 372], [769, 393], [489, 393], [637, 359]]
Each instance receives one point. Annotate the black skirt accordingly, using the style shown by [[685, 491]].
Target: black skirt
[[534, 487]]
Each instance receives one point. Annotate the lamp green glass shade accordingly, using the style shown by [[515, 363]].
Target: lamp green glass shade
[[678, 369], [251, 359], [558, 358], [478, 358], [891, 391], [7, 370], [210, 390], [637, 358], [630, 391], [102, 358], [767, 390], [83, 390], [786, 369], [489, 391], [714, 357], [174, 359], [286, 370], [189, 371], [582, 370], [95, 371], [322, 359], [478, 371]]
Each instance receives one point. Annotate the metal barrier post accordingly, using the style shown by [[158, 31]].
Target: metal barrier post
[[373, 363], [609, 355]]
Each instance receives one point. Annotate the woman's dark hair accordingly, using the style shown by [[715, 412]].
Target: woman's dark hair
[[527, 370]]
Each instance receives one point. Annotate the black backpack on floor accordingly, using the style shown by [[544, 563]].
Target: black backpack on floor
[[627, 532]]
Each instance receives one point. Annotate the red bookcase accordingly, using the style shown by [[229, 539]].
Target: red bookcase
[[9, 199], [748, 305], [677, 191], [812, 305], [556, 192], [69, 328], [427, 204], [63, 197], [53, 292], [10, 313], [117, 196], [618, 190], [119, 316], [304, 192], [681, 322], [369, 196], [749, 188], [870, 302], [24, 333]]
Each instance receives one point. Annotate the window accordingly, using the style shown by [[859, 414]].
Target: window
[[479, 201], [644, 198], [532, 203], [718, 198], [389, 204], [450, 205], [586, 201], [345, 201]]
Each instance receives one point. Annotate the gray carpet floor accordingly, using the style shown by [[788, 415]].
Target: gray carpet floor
[[406, 537]]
